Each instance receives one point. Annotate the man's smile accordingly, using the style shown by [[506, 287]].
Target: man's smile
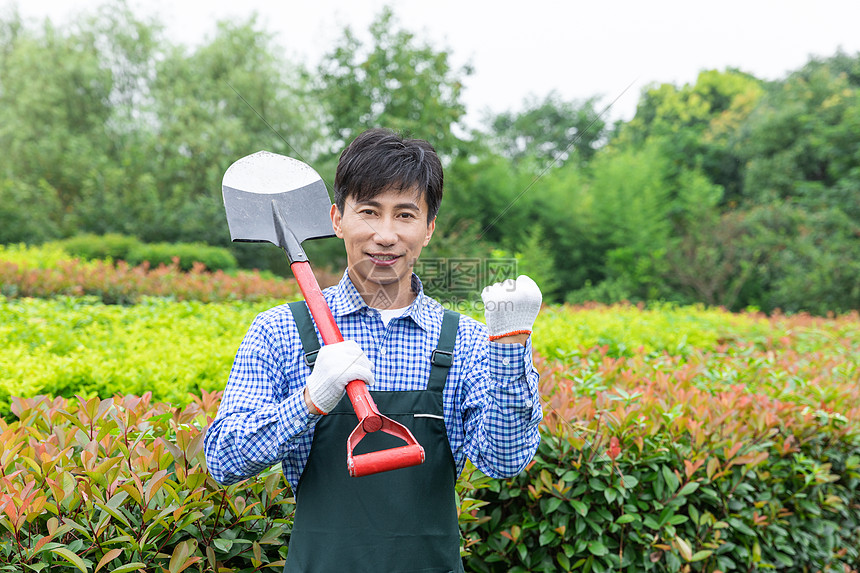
[[383, 259]]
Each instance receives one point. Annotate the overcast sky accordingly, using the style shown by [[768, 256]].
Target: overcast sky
[[518, 49]]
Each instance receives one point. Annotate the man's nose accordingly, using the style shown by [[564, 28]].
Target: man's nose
[[384, 232]]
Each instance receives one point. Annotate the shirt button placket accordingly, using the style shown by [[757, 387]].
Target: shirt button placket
[[382, 338]]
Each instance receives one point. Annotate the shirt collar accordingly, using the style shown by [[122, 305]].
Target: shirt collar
[[346, 300]]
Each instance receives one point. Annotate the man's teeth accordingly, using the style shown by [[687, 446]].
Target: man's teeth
[[384, 257]]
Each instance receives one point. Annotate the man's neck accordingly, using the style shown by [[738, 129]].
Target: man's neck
[[388, 296]]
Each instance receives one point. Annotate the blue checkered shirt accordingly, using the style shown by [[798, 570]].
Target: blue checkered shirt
[[491, 403]]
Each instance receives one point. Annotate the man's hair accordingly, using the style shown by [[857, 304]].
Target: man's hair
[[380, 159]]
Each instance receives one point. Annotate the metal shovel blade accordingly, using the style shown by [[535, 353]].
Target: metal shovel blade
[[276, 199]]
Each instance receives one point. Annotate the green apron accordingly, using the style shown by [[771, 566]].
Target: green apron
[[397, 521]]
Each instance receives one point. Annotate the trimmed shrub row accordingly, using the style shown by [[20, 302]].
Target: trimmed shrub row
[[642, 467], [135, 252], [70, 346], [48, 272], [120, 485], [74, 345]]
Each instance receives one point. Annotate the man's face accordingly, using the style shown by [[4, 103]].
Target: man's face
[[383, 237]]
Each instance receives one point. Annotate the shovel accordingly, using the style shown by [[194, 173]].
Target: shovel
[[270, 198]]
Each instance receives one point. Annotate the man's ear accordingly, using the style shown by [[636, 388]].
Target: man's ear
[[430, 228], [336, 218]]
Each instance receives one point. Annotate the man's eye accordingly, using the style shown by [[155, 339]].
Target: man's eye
[[366, 211], [407, 215]]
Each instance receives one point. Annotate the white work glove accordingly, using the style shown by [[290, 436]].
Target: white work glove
[[511, 306], [336, 366]]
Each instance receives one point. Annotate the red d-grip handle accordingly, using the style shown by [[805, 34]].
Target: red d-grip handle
[[411, 454], [384, 460], [369, 418]]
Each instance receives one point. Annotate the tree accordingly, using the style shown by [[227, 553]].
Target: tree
[[54, 105], [697, 124], [630, 199], [129, 133], [810, 260], [802, 144], [520, 213], [228, 98], [552, 131], [73, 118], [715, 260], [397, 82]]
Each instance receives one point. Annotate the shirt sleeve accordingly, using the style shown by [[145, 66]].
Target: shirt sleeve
[[501, 408], [261, 419]]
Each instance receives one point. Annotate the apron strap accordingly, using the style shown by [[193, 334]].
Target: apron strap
[[442, 358], [307, 332]]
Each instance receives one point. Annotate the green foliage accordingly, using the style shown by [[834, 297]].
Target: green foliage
[[608, 291], [186, 255], [396, 82], [90, 247], [805, 260], [534, 259], [630, 198], [131, 134], [695, 125], [107, 127], [733, 449], [489, 194], [47, 256], [670, 506], [121, 485], [457, 264], [32, 225], [803, 141], [739, 458], [228, 98], [551, 131], [716, 260], [54, 114], [826, 246], [624, 330], [65, 347]]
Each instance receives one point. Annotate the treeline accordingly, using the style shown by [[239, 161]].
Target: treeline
[[731, 191]]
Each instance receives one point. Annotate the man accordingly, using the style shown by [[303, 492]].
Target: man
[[479, 401]]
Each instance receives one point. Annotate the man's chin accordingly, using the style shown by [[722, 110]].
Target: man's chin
[[384, 281], [379, 272]]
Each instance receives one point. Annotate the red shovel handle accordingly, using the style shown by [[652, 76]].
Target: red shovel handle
[[316, 302], [370, 420], [364, 406]]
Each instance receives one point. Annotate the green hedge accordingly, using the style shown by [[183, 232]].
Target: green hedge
[[665, 476], [134, 252], [48, 271], [74, 345], [722, 443], [91, 247], [120, 485], [70, 346]]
